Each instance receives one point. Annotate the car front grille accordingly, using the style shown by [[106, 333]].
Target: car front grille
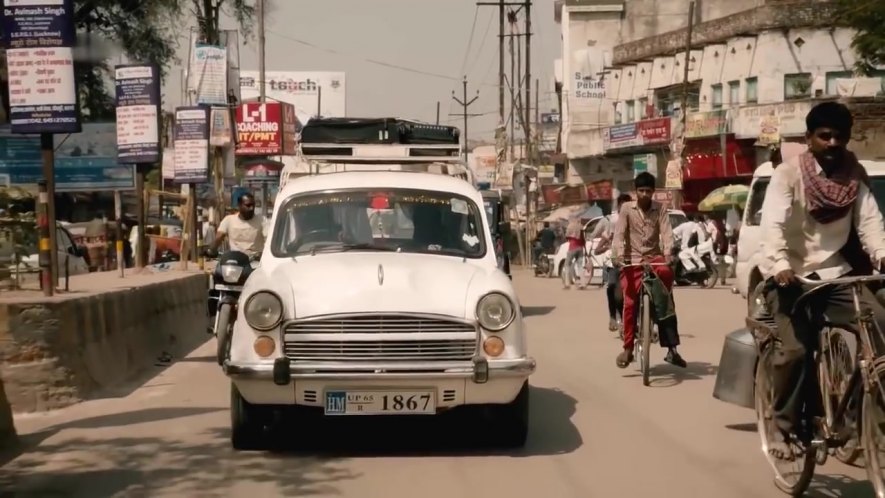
[[380, 338]]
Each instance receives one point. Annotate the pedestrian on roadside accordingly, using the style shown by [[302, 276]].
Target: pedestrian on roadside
[[574, 235], [605, 231]]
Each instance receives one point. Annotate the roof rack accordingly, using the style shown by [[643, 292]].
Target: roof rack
[[382, 153]]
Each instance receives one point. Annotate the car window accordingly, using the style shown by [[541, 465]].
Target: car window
[[753, 213], [677, 219], [590, 227], [877, 186], [390, 219], [62, 240]]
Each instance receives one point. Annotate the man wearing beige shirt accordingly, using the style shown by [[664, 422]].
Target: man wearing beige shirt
[[813, 204]]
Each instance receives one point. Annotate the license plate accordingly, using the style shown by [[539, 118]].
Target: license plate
[[380, 403]]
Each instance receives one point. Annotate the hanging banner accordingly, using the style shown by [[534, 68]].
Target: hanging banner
[[138, 113], [266, 129], [207, 78], [39, 36], [191, 142]]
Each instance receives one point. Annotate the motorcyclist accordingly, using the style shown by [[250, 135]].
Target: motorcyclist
[[243, 230], [690, 235], [545, 241]]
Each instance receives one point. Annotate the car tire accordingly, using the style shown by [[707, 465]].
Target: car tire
[[247, 422], [509, 423]]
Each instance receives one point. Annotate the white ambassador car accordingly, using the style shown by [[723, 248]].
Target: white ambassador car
[[350, 316]]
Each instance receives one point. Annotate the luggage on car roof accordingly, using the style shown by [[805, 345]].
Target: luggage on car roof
[[377, 131]]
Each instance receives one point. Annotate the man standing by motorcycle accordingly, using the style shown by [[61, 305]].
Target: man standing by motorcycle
[[690, 235], [643, 235], [243, 231]]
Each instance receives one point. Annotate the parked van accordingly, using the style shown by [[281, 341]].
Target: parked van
[[749, 257]]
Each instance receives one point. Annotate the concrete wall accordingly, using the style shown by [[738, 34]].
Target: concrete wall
[[57, 351], [7, 429]]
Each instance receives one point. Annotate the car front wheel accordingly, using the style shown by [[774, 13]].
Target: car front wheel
[[247, 422], [509, 423]]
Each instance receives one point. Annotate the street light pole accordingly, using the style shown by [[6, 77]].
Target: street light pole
[[465, 104]]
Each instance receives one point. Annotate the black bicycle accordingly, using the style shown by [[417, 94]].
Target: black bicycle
[[646, 327], [854, 409]]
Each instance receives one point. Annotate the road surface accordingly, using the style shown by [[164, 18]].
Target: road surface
[[595, 430]]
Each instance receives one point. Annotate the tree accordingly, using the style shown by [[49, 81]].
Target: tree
[[146, 31], [868, 18]]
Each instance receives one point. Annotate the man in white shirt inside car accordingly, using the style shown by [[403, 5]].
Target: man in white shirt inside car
[[819, 221]]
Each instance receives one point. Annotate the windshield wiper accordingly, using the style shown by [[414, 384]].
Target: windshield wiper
[[351, 247]]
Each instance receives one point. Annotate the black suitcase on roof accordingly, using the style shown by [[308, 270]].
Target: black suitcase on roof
[[376, 131]]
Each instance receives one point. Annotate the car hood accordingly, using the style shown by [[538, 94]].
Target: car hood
[[361, 282]]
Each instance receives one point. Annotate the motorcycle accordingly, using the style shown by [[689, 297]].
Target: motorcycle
[[228, 279], [706, 276], [544, 264]]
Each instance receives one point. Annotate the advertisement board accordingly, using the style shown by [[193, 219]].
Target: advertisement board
[[138, 119], [207, 78], [191, 142], [302, 89], [39, 36], [84, 162], [266, 129]]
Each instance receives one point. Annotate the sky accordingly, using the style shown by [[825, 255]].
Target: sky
[[429, 36]]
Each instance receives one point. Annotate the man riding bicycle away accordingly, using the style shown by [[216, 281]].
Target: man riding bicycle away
[[643, 235], [605, 231], [818, 218], [243, 231]]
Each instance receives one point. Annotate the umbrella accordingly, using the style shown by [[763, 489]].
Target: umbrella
[[724, 198]]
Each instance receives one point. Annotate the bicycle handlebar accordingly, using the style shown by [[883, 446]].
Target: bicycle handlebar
[[841, 280], [644, 265]]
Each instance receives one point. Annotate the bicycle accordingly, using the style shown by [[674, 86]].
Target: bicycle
[[646, 327], [863, 394]]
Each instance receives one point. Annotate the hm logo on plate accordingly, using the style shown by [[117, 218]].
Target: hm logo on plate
[[336, 402]]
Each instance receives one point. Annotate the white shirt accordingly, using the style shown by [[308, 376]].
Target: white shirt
[[684, 231], [792, 239], [244, 235]]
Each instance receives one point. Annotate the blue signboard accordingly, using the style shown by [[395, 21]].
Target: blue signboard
[[138, 120], [191, 139], [48, 24], [39, 36], [84, 162]]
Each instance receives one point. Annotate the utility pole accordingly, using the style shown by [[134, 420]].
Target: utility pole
[[319, 101], [528, 79], [537, 147], [677, 195], [261, 46], [514, 86], [465, 104], [437, 112]]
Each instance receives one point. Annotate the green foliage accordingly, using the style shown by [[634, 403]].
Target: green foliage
[[868, 18]]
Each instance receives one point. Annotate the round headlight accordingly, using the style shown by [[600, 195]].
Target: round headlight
[[231, 273], [263, 311], [494, 312]]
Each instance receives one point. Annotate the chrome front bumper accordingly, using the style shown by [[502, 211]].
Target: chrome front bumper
[[282, 371]]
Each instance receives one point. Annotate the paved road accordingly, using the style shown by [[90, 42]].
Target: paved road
[[595, 431]]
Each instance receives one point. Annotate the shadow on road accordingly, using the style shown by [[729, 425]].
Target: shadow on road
[[551, 432], [747, 427], [666, 375], [537, 310], [82, 466], [838, 486]]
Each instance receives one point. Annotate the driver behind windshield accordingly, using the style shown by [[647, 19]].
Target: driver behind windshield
[[819, 220]]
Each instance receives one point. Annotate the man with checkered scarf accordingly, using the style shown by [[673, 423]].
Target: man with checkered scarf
[[820, 221]]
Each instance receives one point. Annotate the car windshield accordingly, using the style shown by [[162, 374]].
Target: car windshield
[[401, 220]]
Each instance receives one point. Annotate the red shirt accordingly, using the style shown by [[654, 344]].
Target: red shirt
[[575, 243]]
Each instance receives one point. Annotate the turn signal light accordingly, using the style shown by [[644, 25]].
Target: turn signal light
[[264, 346], [493, 346]]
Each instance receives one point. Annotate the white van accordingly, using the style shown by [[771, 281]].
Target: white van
[[749, 256]]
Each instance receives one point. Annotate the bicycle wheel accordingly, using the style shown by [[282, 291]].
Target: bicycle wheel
[[835, 366], [873, 431], [645, 326], [790, 476]]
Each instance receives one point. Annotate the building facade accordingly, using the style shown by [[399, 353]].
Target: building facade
[[755, 69]]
